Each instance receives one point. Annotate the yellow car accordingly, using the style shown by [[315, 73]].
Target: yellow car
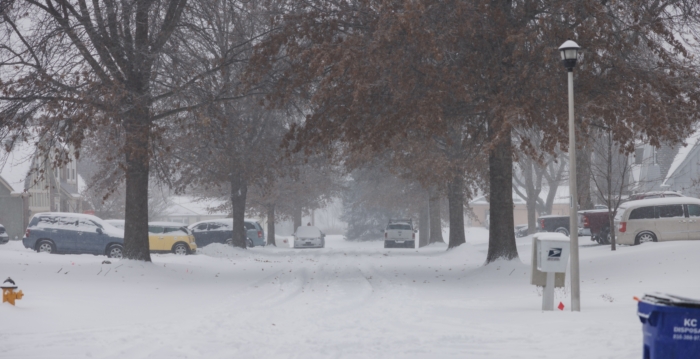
[[170, 237]]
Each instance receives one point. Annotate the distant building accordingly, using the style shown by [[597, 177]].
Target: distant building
[[188, 210], [480, 207], [29, 184], [668, 168]]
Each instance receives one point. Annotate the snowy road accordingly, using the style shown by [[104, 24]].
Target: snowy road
[[349, 300]]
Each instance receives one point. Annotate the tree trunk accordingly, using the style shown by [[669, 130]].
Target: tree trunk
[[239, 192], [296, 216], [136, 245], [609, 200], [583, 177], [423, 223], [455, 197], [532, 195], [271, 225], [435, 218], [501, 233]]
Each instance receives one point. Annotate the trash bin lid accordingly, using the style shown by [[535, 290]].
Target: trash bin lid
[[672, 300]]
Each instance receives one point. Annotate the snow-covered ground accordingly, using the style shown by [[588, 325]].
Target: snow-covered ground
[[349, 300]]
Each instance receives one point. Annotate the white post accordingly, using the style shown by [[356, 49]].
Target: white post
[[573, 221], [548, 295]]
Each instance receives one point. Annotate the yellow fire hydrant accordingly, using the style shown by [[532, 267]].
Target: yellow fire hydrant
[[8, 291]]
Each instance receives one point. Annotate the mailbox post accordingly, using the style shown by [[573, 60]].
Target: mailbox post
[[552, 253]]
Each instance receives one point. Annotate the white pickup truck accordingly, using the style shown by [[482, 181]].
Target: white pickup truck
[[399, 233]]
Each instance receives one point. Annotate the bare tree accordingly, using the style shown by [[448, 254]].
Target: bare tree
[[610, 170]]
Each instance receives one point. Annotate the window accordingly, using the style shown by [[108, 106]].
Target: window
[[201, 227], [672, 211], [214, 226], [639, 156], [87, 224], [174, 229], [67, 221], [249, 226], [642, 213], [155, 229], [694, 210], [399, 226]]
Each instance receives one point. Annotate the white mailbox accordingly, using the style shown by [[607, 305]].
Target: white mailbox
[[552, 252], [552, 256]]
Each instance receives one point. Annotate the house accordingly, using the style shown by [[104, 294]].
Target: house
[[29, 184], [669, 168], [480, 207], [188, 210]]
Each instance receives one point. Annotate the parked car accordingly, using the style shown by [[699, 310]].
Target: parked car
[[221, 231], [309, 237], [167, 237], [653, 194], [521, 230], [4, 238], [658, 219], [119, 223], [61, 232], [552, 223], [400, 233], [595, 223]]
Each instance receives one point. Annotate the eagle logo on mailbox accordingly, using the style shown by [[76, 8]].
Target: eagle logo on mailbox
[[554, 254]]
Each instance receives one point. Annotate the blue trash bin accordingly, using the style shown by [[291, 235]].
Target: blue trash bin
[[671, 326]]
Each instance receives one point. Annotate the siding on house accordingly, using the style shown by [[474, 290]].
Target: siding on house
[[12, 214]]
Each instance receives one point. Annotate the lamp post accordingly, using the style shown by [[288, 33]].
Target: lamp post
[[569, 55]]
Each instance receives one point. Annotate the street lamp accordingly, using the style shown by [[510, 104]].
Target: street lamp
[[569, 55]]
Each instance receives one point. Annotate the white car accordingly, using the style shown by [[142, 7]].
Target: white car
[[309, 237], [399, 233], [658, 219]]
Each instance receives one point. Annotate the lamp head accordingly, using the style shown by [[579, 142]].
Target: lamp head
[[569, 54]]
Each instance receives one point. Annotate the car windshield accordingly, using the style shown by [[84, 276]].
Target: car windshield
[[175, 229], [403, 226]]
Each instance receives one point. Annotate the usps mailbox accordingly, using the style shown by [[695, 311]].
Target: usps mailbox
[[552, 253]]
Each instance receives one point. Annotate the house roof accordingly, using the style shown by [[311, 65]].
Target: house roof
[[682, 156], [15, 165]]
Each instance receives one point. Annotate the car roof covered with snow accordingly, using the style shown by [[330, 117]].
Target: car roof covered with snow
[[167, 224], [308, 232], [228, 221], [659, 202], [68, 214]]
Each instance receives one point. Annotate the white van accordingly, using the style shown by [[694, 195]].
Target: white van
[[658, 219]]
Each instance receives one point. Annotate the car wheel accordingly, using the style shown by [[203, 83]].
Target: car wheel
[[644, 237], [249, 243], [229, 241], [45, 245], [115, 251], [180, 249], [604, 236], [562, 230]]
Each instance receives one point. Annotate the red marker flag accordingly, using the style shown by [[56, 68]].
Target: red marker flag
[[561, 306]]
